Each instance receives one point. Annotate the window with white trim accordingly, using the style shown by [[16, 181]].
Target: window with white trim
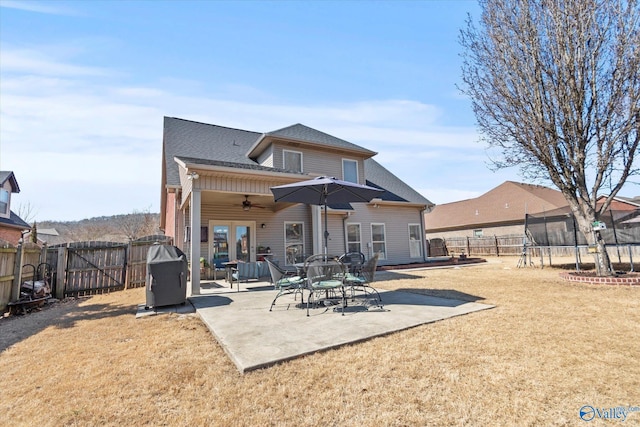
[[350, 170], [353, 238], [292, 160], [378, 240], [477, 232], [294, 242], [4, 201], [415, 241]]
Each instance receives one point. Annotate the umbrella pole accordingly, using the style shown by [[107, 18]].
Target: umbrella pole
[[326, 230]]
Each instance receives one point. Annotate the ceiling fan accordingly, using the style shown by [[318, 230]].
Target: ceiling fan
[[247, 204]]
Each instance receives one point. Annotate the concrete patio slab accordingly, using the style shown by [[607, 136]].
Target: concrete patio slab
[[254, 337]]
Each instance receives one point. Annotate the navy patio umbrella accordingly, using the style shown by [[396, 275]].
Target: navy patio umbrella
[[323, 191]]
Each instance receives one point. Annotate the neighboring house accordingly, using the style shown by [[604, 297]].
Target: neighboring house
[[500, 212], [11, 225], [217, 204], [48, 236]]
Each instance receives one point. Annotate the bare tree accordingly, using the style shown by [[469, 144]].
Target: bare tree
[[555, 87], [138, 224], [27, 212]]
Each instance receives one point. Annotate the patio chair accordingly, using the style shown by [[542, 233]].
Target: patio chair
[[245, 271], [286, 282], [363, 280], [354, 260], [325, 275]]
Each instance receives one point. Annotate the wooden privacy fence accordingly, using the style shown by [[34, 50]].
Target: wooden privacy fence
[[514, 245], [84, 268], [484, 246], [12, 273]]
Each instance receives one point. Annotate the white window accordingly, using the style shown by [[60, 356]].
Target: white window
[[477, 232], [294, 242], [292, 160], [415, 241], [4, 201], [353, 238], [378, 240], [350, 170]]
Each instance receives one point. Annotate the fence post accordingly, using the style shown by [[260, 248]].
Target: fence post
[[17, 274], [468, 247], [496, 240], [61, 278], [127, 271]]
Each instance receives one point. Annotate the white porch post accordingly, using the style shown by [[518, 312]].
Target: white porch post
[[316, 227], [195, 241]]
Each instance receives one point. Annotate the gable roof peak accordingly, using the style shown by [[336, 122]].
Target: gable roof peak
[[9, 176], [303, 133]]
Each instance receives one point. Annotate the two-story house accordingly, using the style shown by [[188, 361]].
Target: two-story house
[[11, 225], [217, 204]]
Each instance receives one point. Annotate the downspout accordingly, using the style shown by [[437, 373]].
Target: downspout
[[344, 231], [424, 235]]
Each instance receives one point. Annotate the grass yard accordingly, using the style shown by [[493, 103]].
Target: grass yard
[[547, 349]]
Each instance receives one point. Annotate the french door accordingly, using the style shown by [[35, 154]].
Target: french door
[[232, 240]]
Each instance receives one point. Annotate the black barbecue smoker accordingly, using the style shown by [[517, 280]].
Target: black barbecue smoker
[[166, 281]]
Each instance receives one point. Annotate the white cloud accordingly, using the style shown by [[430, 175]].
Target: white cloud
[[40, 62], [82, 146], [38, 7]]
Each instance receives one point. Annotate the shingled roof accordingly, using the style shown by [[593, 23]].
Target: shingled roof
[[8, 175], [186, 138], [205, 144], [301, 132], [506, 203]]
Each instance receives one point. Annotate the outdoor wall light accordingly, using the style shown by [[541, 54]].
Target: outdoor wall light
[[263, 225], [193, 175]]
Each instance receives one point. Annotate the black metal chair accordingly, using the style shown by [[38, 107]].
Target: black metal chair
[[354, 260], [363, 280], [325, 275], [286, 282]]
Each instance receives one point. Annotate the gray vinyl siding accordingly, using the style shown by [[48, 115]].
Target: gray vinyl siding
[[396, 220], [266, 158], [318, 162], [273, 233]]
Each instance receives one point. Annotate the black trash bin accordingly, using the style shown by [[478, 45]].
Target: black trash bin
[[166, 281]]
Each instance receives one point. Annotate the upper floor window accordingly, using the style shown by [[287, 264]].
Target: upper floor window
[[4, 201], [292, 160], [350, 170]]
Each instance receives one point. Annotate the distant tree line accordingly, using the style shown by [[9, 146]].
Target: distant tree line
[[115, 228]]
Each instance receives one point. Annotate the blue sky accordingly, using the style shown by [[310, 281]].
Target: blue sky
[[84, 87]]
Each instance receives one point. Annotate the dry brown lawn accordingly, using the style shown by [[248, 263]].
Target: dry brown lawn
[[548, 348]]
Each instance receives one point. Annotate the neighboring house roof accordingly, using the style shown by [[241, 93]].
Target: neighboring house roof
[[8, 175], [14, 221], [506, 203], [204, 144], [635, 200]]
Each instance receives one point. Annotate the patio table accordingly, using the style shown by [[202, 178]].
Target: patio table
[[228, 270]]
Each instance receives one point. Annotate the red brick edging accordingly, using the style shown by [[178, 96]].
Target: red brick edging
[[573, 276]]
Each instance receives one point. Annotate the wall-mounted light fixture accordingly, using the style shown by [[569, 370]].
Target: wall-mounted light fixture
[[193, 175], [263, 225]]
